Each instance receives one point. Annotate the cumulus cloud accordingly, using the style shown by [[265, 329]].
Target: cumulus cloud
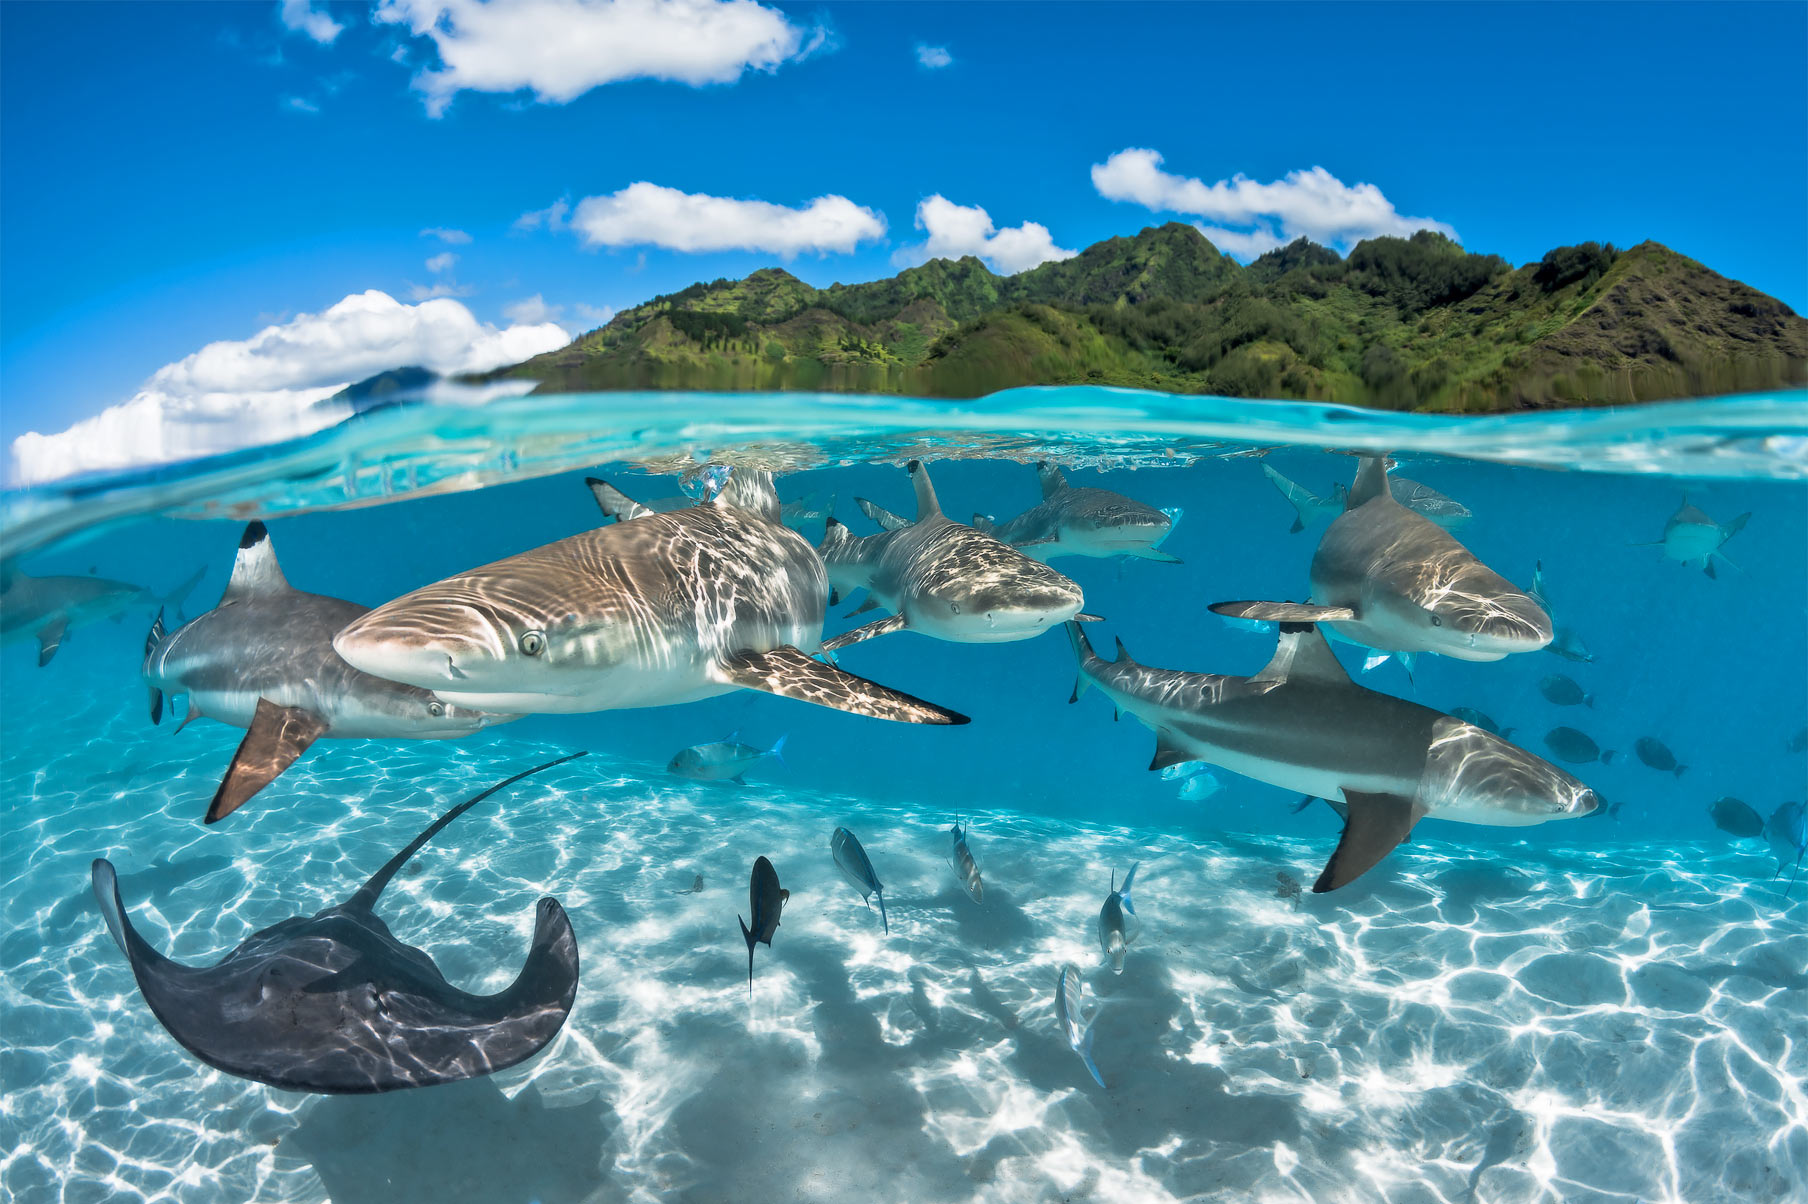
[[531, 310], [300, 104], [933, 57], [646, 214], [595, 315], [270, 386], [560, 49], [300, 16], [552, 217], [446, 235], [443, 262], [1314, 204], [957, 230]]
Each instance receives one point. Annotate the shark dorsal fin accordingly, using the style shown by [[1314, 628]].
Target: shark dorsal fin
[[1303, 654], [750, 489], [366, 898], [926, 503], [255, 571], [1052, 478], [613, 502], [1371, 482]]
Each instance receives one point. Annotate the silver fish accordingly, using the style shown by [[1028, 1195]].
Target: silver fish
[[1068, 990], [960, 856], [1117, 921], [857, 868]]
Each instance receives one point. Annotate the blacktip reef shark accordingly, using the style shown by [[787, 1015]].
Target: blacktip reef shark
[[1308, 507], [50, 607], [1301, 724], [1390, 579], [943, 578], [263, 660], [1083, 522], [1694, 539], [1117, 921], [650, 610], [335, 1004]]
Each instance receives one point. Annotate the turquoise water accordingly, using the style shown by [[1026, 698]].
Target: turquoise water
[[1602, 1009]]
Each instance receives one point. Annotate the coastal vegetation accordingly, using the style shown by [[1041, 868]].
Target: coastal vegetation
[[1402, 323]]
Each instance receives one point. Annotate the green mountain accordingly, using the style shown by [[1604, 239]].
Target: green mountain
[[1402, 323]]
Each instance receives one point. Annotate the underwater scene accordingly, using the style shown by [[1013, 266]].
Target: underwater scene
[[1070, 794]]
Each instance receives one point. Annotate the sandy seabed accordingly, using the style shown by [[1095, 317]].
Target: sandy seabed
[[1491, 1023]]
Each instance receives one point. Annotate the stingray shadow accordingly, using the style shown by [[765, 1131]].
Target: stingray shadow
[[460, 1143]]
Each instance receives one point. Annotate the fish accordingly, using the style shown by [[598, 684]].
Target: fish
[[1118, 924], [1308, 507], [1658, 756], [1302, 724], [1201, 787], [1692, 538], [942, 578], [650, 610], [1563, 691], [857, 868], [1736, 816], [1787, 835], [263, 660], [1481, 720], [1181, 770], [1576, 747], [48, 608], [695, 888], [335, 1004], [1390, 579], [1082, 522], [1564, 640], [1069, 987], [765, 900], [723, 761], [960, 856], [1286, 886]]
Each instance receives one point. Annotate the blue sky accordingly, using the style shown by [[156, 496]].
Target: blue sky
[[180, 174]]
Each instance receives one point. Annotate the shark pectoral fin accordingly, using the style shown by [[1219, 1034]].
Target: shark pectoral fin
[[1083, 617], [614, 503], [1707, 566], [1157, 555], [50, 638], [278, 735], [1298, 526], [883, 626], [194, 713], [879, 514], [1282, 612], [787, 672], [1376, 824], [1167, 752], [156, 705]]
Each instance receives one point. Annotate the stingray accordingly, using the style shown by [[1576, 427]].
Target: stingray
[[336, 1004]]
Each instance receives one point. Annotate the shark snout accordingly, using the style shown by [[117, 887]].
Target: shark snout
[[437, 648], [1491, 628]]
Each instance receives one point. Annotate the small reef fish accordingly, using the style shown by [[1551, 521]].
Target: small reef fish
[[1481, 720], [960, 856], [1286, 886], [50, 607], [1390, 579], [1694, 539], [723, 761], [765, 900], [1787, 834], [1654, 753], [1201, 787], [857, 868], [1068, 990], [1576, 747], [1182, 770], [695, 888], [1082, 522], [1117, 921], [1564, 692], [1736, 816]]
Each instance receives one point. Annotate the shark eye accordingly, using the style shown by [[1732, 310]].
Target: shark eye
[[436, 709], [1435, 621], [533, 643]]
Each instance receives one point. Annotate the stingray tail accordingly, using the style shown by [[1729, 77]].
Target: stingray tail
[[367, 894]]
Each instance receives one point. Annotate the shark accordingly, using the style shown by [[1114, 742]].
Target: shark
[[942, 578], [48, 608], [1117, 921], [335, 1004], [1394, 581], [1302, 724], [263, 660], [1083, 522], [1694, 539], [647, 610], [1564, 640], [1308, 507]]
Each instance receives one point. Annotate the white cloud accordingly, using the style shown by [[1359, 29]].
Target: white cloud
[[552, 217], [560, 49], [933, 57], [1314, 204], [595, 315], [439, 288], [300, 16], [646, 214], [957, 230], [531, 310], [269, 387], [446, 235], [300, 104], [443, 262]]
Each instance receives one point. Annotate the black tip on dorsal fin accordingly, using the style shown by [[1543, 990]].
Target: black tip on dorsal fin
[[366, 898], [255, 533], [926, 502], [255, 569]]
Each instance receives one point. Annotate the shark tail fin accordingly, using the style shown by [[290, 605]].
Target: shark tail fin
[[615, 504], [777, 751], [879, 514], [1083, 654], [1730, 529], [176, 597], [1092, 1067], [151, 641]]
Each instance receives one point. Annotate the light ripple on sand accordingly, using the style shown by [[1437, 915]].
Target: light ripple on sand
[[1611, 1026]]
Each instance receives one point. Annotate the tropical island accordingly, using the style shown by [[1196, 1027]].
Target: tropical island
[[1401, 323]]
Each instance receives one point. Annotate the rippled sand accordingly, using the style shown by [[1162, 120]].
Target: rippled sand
[[1618, 1026]]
